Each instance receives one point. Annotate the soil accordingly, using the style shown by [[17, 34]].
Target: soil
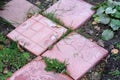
[[93, 32], [5, 27]]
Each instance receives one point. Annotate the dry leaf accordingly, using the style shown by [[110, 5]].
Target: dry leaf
[[114, 51]]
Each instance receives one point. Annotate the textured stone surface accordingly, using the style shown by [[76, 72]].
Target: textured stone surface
[[36, 36], [80, 53], [35, 71], [73, 13], [16, 11]]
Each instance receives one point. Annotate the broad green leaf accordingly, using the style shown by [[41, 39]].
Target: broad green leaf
[[104, 19], [115, 24], [110, 3], [110, 10], [118, 8], [107, 34], [116, 3], [117, 14], [100, 10]]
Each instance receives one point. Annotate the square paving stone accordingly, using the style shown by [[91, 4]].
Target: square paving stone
[[16, 11], [35, 35], [35, 70], [78, 52], [73, 13]]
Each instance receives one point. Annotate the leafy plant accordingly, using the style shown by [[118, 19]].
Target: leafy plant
[[54, 65], [117, 45], [11, 58], [107, 34], [108, 13], [115, 73], [2, 38]]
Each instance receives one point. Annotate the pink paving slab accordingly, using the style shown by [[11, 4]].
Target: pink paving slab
[[37, 34], [73, 13], [16, 11], [35, 71], [80, 53]]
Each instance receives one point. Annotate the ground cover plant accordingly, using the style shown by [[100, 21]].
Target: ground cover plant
[[108, 13], [11, 57], [55, 65], [106, 35]]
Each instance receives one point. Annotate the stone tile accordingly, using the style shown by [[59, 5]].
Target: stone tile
[[73, 13], [80, 53], [26, 42], [51, 25], [36, 36], [16, 11], [25, 25], [37, 17], [36, 27], [35, 71]]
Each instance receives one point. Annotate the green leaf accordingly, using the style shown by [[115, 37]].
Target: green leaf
[[118, 8], [116, 15], [107, 34], [26, 55], [117, 45], [110, 10], [2, 38], [1, 66], [116, 3], [104, 19], [54, 65], [115, 24], [9, 74], [110, 3], [100, 11]]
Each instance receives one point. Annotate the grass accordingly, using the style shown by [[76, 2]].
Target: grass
[[80, 31], [4, 22], [11, 58], [65, 34], [52, 17], [55, 65]]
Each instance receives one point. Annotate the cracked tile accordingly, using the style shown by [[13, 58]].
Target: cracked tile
[[36, 35], [80, 53], [16, 11], [35, 71], [73, 13]]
